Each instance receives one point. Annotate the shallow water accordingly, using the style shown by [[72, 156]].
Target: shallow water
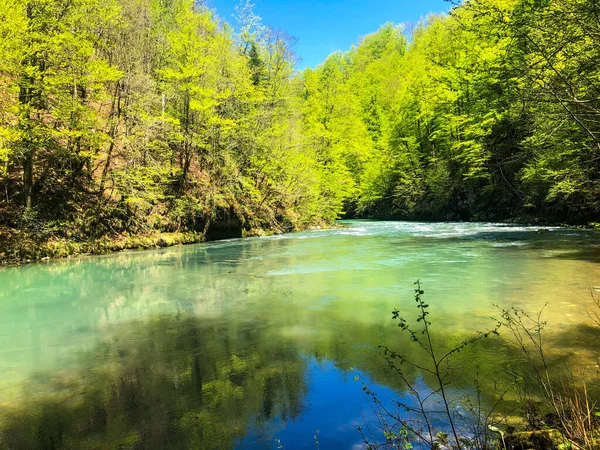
[[256, 343]]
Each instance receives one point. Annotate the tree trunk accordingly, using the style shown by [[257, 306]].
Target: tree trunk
[[26, 99], [28, 179], [115, 114]]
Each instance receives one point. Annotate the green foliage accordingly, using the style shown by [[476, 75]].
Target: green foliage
[[140, 116], [172, 122], [486, 113]]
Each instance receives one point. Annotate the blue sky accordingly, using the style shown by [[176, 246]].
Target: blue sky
[[323, 27]]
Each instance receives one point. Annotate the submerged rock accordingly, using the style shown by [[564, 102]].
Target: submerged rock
[[535, 440]]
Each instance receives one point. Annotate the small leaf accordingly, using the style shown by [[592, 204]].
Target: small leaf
[[496, 430]]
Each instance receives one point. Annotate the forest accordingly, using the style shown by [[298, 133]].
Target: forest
[[125, 119]]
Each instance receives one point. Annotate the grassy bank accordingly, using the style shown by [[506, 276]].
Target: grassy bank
[[19, 247]]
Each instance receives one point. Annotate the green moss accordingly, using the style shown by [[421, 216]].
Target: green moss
[[17, 247], [24, 249], [536, 440]]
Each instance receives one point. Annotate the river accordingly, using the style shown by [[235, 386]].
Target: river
[[260, 342]]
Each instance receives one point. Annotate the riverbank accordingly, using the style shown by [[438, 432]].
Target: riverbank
[[20, 248], [519, 220], [17, 247]]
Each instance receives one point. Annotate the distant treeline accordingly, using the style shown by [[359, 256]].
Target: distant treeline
[[141, 116], [491, 112]]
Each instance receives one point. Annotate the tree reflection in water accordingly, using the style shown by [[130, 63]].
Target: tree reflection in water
[[161, 384]]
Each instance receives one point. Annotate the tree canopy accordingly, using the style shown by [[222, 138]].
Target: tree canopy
[[135, 116]]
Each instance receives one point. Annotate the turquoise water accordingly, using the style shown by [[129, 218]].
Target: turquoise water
[[256, 343]]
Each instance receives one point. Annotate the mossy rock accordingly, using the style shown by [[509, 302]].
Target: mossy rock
[[536, 440]]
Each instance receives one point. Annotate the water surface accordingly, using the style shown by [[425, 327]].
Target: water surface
[[256, 343]]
